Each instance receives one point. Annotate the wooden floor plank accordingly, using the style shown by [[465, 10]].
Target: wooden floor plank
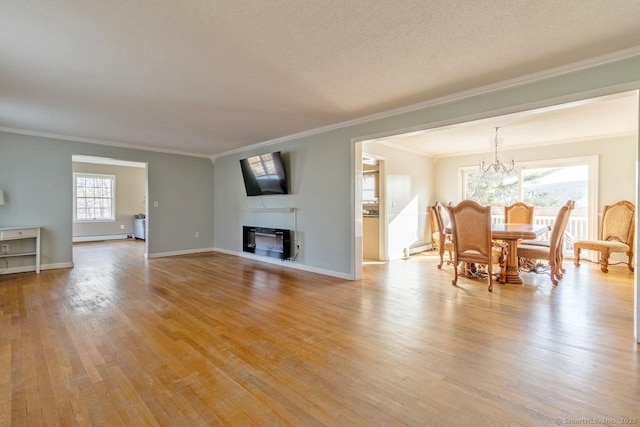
[[213, 339], [5, 382]]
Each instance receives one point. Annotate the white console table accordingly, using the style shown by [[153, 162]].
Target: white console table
[[17, 233]]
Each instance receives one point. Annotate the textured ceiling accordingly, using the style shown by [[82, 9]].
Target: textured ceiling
[[207, 77]]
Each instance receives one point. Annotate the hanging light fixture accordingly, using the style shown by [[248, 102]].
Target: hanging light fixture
[[497, 166]]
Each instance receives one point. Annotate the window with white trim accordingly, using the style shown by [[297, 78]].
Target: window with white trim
[[94, 197]]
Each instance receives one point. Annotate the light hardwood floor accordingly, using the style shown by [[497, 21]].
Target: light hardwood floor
[[213, 339]]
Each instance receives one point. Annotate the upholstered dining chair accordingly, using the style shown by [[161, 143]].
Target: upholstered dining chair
[[615, 235], [551, 251], [444, 240], [519, 213], [472, 243]]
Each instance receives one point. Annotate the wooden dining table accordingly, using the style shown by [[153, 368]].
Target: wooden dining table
[[510, 234]]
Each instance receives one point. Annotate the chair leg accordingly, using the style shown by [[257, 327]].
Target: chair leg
[[554, 273], [604, 261], [630, 263], [559, 260], [576, 255], [490, 276], [455, 274], [441, 253], [502, 278]]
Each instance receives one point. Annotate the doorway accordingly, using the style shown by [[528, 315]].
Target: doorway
[[374, 224], [451, 186], [109, 200]]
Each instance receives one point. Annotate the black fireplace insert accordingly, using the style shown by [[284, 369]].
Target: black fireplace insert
[[272, 242]]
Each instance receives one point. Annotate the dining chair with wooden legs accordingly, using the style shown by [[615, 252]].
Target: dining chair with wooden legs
[[551, 253], [472, 242], [519, 213], [445, 243], [616, 235]]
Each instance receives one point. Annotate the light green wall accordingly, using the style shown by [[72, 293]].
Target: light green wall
[[130, 185], [319, 185], [36, 174], [323, 164]]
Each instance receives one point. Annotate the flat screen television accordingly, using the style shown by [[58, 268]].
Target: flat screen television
[[264, 174]]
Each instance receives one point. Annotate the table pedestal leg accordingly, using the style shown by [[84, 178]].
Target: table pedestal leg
[[513, 275]]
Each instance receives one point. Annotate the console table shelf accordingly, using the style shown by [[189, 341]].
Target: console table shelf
[[8, 234]]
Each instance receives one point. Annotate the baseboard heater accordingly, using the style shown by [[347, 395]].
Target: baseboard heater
[[271, 242]]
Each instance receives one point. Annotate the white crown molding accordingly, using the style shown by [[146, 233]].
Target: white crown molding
[[481, 90], [506, 84], [99, 142]]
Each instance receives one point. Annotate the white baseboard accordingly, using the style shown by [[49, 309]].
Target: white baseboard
[[57, 265], [99, 238], [176, 253], [287, 264], [419, 248]]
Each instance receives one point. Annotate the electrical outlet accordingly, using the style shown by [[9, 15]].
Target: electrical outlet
[[121, 226], [5, 248], [197, 234]]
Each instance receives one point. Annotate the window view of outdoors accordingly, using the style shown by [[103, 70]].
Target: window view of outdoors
[[94, 197], [547, 188], [493, 189]]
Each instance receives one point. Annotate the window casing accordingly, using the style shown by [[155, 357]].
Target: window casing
[[94, 197]]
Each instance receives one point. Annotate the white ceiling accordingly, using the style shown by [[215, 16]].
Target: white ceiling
[[207, 77]]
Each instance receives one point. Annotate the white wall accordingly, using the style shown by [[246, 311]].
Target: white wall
[[130, 184], [409, 192]]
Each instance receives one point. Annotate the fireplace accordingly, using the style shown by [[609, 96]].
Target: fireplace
[[272, 242]]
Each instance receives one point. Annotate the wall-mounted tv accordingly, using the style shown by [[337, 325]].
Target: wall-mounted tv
[[264, 174]]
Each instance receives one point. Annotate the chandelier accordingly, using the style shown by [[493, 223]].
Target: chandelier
[[497, 165]]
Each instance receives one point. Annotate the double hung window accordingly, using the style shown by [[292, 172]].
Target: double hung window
[[94, 197]]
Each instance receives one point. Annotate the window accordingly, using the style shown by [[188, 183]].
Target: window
[[545, 184], [94, 197]]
